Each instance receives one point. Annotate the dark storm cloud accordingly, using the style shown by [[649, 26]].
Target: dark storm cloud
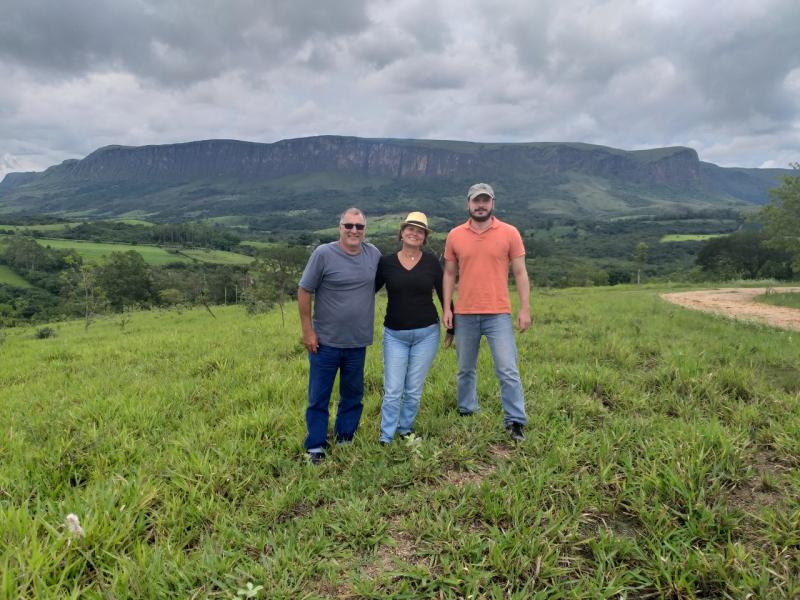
[[722, 77], [736, 63], [173, 42]]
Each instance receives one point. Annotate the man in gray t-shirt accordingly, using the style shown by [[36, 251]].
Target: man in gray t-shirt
[[340, 277]]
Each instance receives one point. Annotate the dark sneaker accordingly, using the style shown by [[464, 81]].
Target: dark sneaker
[[384, 442], [407, 434], [516, 431], [315, 457], [466, 413]]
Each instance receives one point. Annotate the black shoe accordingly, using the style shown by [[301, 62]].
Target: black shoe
[[315, 457], [384, 442], [516, 431], [407, 434], [467, 413]]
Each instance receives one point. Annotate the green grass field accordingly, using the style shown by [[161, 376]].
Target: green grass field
[[257, 245], [790, 299], [681, 237], [9, 277], [55, 227], [153, 255], [133, 222], [217, 256], [661, 461], [51, 227]]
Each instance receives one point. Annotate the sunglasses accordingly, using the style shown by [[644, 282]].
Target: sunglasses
[[358, 226]]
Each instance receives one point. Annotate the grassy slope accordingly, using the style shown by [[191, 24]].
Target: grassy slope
[[217, 256], [55, 227], [9, 277], [51, 227], [98, 250], [661, 458], [698, 237], [153, 255]]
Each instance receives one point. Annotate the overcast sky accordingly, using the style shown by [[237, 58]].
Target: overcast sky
[[722, 77]]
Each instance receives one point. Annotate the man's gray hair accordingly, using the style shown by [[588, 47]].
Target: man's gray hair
[[353, 211]]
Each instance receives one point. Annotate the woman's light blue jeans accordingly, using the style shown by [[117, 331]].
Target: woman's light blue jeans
[[500, 335], [407, 357]]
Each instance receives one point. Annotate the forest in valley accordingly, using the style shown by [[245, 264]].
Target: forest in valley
[[47, 271]]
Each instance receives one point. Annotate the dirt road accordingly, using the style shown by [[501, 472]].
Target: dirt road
[[738, 303]]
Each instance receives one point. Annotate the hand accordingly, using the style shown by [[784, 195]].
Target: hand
[[447, 318], [311, 341], [448, 340], [523, 320]]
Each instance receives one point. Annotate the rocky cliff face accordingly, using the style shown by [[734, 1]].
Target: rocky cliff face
[[13, 180], [369, 158], [228, 177]]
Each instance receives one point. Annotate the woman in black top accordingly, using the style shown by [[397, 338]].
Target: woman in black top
[[411, 326]]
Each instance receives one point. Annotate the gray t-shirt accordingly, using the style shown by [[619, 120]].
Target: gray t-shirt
[[344, 294]]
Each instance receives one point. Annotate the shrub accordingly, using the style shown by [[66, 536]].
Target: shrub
[[45, 332]]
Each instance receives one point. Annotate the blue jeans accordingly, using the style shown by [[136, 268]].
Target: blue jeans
[[323, 365], [407, 357], [500, 335]]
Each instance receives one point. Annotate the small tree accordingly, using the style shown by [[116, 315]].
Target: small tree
[[782, 217], [24, 254], [640, 257], [274, 275], [127, 280], [81, 290]]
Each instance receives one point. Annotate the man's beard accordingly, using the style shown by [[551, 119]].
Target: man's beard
[[481, 218]]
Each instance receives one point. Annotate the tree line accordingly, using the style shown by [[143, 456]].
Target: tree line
[[67, 286], [596, 253], [770, 249]]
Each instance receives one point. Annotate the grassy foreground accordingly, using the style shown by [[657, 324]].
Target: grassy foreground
[[661, 460]]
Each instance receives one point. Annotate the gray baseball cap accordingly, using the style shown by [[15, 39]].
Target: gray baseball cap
[[478, 189]]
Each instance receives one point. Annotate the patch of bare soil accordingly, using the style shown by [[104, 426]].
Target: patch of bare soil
[[738, 303], [762, 489], [458, 478], [400, 550]]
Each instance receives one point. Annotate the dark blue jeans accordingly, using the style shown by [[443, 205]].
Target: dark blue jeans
[[323, 366]]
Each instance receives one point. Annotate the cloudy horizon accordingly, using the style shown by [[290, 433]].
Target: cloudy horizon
[[720, 77]]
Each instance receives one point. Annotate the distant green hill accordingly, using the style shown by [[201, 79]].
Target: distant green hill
[[301, 184]]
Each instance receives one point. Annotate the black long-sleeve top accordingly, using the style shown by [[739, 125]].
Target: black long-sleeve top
[[410, 291]]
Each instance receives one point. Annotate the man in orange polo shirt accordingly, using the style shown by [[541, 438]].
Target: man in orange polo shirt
[[479, 252]]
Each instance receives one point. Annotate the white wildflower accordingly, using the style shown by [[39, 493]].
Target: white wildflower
[[250, 591], [74, 525]]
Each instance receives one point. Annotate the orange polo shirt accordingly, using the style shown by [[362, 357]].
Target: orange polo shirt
[[483, 259]]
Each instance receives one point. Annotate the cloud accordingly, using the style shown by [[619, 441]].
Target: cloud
[[174, 42], [721, 77]]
